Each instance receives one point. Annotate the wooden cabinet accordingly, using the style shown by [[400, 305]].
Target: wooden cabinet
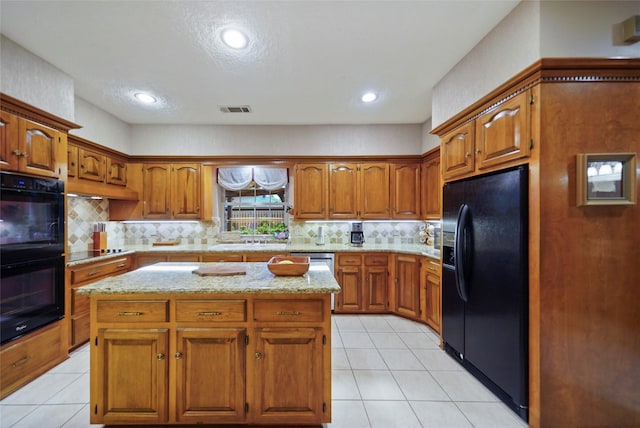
[[116, 172], [214, 359], [431, 293], [431, 187], [91, 165], [363, 280], [406, 294], [24, 359], [405, 191], [131, 383], [210, 367], [359, 191], [223, 257], [148, 258], [311, 191], [498, 136], [171, 191], [77, 306], [31, 148]]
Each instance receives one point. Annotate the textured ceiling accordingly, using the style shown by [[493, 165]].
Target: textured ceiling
[[307, 61]]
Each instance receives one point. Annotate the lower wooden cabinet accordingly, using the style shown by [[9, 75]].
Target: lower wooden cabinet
[[146, 259], [431, 294], [363, 279], [407, 285], [211, 359], [77, 306], [24, 359]]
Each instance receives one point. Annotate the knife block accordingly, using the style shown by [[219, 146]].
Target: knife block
[[100, 241]]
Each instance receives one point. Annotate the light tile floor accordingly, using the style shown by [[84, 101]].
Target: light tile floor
[[387, 372]]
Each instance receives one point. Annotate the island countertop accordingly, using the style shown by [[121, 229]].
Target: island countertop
[[179, 278]]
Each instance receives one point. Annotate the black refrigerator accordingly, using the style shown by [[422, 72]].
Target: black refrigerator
[[485, 281]]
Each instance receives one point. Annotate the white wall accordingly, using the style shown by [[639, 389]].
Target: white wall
[[101, 127], [304, 140], [509, 48], [533, 30], [586, 28], [33, 80], [429, 141]]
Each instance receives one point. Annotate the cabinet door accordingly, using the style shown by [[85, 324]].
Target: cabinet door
[[9, 151], [149, 259], [350, 297], [405, 191], [457, 151], [43, 150], [343, 191], [116, 172], [432, 188], [430, 295], [373, 191], [156, 191], [185, 191], [132, 382], [288, 369], [376, 288], [210, 375], [72, 160], [407, 285], [311, 191], [92, 165], [503, 134]]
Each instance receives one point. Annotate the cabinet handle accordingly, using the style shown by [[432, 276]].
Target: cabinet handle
[[129, 314], [432, 269], [121, 265], [95, 272], [21, 361], [160, 357], [288, 313], [258, 355], [209, 314], [16, 152], [467, 155], [178, 355], [478, 151]]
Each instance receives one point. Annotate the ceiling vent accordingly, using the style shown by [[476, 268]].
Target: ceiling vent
[[235, 109]]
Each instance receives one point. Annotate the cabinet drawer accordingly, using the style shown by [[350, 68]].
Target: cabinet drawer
[[94, 271], [288, 310], [79, 303], [433, 267], [222, 257], [349, 260], [376, 260], [133, 310], [211, 310], [29, 356]]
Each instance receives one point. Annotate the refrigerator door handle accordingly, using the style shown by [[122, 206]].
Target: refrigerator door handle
[[460, 250]]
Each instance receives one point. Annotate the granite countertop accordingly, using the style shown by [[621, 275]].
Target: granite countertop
[[179, 278], [417, 249]]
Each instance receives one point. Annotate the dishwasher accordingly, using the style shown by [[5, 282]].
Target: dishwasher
[[326, 258]]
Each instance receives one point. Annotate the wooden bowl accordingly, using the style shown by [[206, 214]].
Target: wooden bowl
[[299, 265]]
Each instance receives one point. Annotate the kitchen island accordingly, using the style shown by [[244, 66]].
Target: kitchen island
[[172, 347]]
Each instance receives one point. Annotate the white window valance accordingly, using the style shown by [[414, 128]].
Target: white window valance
[[236, 178]]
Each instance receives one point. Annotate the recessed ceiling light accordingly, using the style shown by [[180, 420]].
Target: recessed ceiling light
[[234, 39], [369, 97], [145, 98]]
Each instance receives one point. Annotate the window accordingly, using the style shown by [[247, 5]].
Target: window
[[254, 201]]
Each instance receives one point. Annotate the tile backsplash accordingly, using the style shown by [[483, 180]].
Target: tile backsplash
[[83, 213]]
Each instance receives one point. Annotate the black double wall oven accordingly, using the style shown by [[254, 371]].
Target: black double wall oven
[[31, 254]]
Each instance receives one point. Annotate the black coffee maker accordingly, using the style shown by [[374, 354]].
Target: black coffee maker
[[357, 235]]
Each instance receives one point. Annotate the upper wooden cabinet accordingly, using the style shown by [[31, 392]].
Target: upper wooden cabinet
[[431, 185], [31, 148], [311, 191], [116, 172], [171, 191], [405, 191], [500, 135], [359, 191], [91, 165]]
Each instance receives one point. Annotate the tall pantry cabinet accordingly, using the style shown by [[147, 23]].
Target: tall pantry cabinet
[[583, 274]]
